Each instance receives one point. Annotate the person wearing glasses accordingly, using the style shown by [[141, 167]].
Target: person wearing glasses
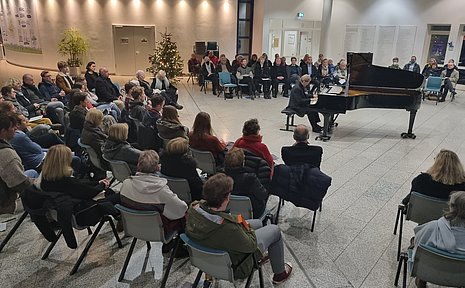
[[299, 101]]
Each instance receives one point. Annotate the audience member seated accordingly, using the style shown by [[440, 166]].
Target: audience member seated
[[252, 141], [9, 94], [92, 133], [136, 106], [63, 80], [91, 76], [245, 183], [252, 61], [432, 70], [447, 233], [300, 103], [155, 105], [213, 57], [224, 66], [324, 74], [340, 73], [78, 107], [13, 178], [169, 126], [117, 148], [236, 63], [105, 90], [244, 75], [412, 65], [262, 77], [148, 191], [451, 77], [34, 101], [428, 65], [321, 57], [210, 225], [140, 76], [301, 152], [293, 71], [309, 69], [331, 67], [395, 63], [208, 73], [201, 138], [193, 65], [267, 60], [176, 161], [446, 175], [113, 108], [163, 86], [279, 75], [56, 176], [51, 91]]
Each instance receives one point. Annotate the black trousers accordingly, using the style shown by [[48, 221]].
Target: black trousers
[[314, 119], [266, 84], [214, 78], [285, 87], [446, 88], [249, 81]]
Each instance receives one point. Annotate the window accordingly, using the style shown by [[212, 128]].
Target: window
[[244, 27], [438, 42]]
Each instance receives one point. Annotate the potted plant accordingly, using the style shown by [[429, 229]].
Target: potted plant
[[74, 45]]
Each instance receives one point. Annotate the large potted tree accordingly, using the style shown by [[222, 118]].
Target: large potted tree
[[74, 45]]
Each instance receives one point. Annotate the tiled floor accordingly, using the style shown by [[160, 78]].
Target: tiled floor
[[352, 245]]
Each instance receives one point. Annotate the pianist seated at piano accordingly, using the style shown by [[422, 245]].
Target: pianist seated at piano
[[299, 101], [301, 152]]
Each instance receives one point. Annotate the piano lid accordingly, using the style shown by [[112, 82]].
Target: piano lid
[[363, 73]]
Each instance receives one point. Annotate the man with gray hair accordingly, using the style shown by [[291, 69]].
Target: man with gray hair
[[301, 152], [140, 76]]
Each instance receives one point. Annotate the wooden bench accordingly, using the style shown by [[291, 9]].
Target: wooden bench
[[290, 113]]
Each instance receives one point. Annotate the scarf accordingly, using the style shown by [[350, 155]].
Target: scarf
[[159, 84]]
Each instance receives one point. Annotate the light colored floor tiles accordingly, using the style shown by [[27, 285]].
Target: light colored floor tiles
[[352, 245]]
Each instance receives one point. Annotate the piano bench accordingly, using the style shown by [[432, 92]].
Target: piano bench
[[289, 119]]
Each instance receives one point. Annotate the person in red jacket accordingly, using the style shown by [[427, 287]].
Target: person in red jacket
[[251, 140]]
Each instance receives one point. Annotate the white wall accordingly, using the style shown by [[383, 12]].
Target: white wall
[[188, 21], [397, 12]]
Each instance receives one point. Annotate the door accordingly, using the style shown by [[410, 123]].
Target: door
[[305, 46], [132, 45], [290, 44]]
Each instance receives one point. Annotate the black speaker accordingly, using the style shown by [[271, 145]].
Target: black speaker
[[200, 48]]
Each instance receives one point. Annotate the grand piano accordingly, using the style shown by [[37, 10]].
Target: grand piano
[[370, 86]]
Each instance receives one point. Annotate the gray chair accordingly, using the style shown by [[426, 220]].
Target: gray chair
[[205, 161], [93, 156], [180, 187], [215, 263], [146, 226], [420, 209], [242, 205], [120, 169], [435, 266]]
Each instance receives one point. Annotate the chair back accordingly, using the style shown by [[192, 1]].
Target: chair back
[[144, 225], [180, 187], [120, 169], [93, 156], [225, 78], [241, 205], [205, 161], [422, 208], [433, 83], [439, 267], [215, 263]]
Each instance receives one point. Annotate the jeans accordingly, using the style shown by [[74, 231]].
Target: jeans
[[269, 238], [31, 173], [112, 109]]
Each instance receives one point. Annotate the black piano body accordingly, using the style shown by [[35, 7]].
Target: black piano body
[[372, 86]]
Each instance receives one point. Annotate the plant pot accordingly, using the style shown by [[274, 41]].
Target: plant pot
[[75, 71]]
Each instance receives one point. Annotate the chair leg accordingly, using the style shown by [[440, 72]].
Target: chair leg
[[404, 280], [170, 263], [399, 267], [260, 277], [86, 249], [126, 261], [313, 221], [113, 228], [13, 230], [399, 244], [89, 231], [50, 247], [249, 279], [397, 220], [148, 245], [197, 279]]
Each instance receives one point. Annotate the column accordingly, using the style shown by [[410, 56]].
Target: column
[[325, 24]]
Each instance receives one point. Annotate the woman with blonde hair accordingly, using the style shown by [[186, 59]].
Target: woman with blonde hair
[[176, 161], [93, 135], [447, 233], [117, 148], [169, 126], [446, 175], [56, 176]]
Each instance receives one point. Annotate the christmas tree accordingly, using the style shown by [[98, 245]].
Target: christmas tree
[[166, 58]]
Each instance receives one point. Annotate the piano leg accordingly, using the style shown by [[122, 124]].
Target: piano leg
[[410, 133], [327, 121]]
